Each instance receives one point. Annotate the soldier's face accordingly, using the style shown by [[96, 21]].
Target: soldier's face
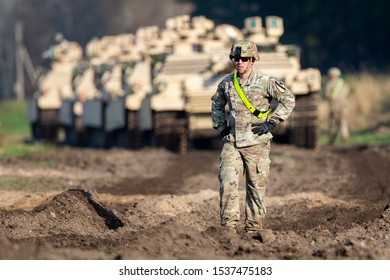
[[242, 64]]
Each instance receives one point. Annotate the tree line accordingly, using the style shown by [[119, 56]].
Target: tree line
[[350, 34]]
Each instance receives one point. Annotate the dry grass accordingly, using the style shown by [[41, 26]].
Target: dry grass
[[369, 102]]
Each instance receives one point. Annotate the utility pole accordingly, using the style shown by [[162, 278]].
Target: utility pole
[[19, 84]]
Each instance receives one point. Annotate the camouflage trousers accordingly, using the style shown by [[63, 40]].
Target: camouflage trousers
[[338, 125], [254, 163]]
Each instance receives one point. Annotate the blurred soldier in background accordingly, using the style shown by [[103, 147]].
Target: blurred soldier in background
[[246, 135], [336, 93]]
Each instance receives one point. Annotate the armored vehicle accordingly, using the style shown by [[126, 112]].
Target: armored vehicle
[[157, 84], [188, 77], [283, 62], [111, 102], [53, 88], [120, 114]]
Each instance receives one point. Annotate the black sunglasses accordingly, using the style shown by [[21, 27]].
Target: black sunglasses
[[243, 59]]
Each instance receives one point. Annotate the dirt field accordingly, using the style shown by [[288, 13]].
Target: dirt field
[[154, 204]]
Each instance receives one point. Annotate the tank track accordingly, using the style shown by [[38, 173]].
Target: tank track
[[48, 125], [133, 133], [171, 131], [304, 131]]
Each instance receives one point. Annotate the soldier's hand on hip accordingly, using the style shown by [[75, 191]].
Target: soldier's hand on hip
[[225, 132], [263, 128]]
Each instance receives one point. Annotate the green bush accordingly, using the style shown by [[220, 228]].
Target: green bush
[[14, 129], [13, 118]]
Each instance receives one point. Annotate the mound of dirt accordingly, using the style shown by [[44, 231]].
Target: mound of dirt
[[332, 203], [71, 212]]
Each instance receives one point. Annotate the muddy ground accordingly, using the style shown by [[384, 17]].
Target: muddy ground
[[154, 204]]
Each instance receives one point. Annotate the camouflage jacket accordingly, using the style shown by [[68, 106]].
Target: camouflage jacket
[[260, 89], [337, 95]]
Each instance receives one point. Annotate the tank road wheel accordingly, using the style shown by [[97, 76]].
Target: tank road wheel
[[81, 138], [71, 124], [305, 121], [312, 130], [182, 131], [134, 135], [171, 131], [75, 136], [161, 122], [49, 125], [164, 128]]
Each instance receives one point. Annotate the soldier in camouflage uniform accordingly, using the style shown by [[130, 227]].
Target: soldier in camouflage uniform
[[247, 137], [336, 93]]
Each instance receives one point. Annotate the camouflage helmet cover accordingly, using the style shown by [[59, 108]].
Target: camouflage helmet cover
[[334, 72], [58, 37], [244, 48]]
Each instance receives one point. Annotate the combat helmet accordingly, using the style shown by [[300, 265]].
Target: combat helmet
[[334, 72], [59, 37], [244, 48]]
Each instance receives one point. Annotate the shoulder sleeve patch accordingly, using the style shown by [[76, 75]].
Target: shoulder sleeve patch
[[280, 86]]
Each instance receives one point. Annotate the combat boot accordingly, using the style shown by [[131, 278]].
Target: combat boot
[[254, 229], [231, 229], [255, 236]]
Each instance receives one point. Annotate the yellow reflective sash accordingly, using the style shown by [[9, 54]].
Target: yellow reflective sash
[[337, 88], [250, 107]]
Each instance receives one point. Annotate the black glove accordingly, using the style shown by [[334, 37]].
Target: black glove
[[225, 132], [263, 128]]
